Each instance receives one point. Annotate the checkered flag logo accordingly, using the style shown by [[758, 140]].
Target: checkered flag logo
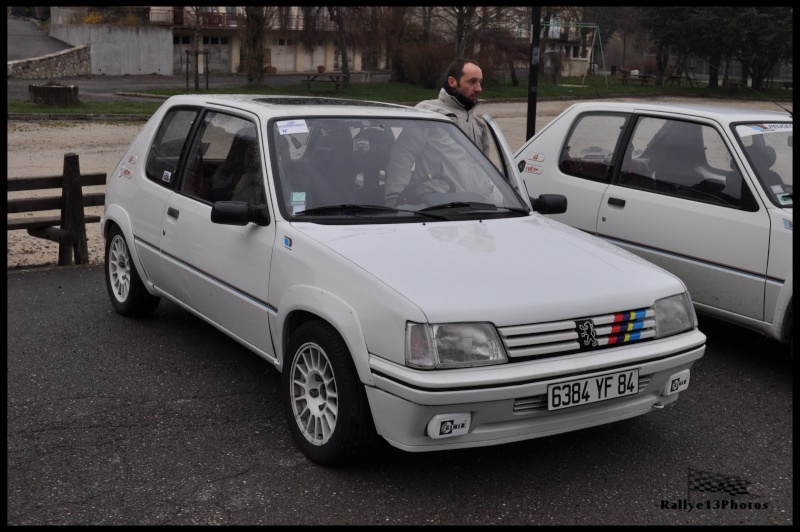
[[708, 482]]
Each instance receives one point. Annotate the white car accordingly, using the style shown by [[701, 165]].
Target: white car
[[703, 191], [456, 318]]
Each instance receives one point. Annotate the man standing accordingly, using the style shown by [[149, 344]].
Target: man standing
[[418, 164], [458, 99]]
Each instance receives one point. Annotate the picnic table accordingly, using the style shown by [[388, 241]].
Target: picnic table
[[322, 78], [681, 73], [644, 79]]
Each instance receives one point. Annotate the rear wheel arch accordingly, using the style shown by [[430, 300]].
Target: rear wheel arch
[[128, 294]]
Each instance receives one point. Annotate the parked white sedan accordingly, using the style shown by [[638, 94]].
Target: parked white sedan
[[703, 191], [458, 317]]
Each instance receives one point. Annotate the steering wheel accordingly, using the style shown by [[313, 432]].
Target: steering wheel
[[411, 195]]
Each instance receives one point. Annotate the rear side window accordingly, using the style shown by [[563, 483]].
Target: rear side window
[[589, 150], [165, 152]]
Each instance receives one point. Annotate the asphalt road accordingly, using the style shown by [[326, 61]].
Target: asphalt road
[[165, 421], [25, 40]]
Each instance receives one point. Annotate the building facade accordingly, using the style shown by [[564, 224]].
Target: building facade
[[161, 40]]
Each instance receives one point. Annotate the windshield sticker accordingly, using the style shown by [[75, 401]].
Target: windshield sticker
[[755, 129], [783, 197], [167, 176], [289, 127], [298, 202]]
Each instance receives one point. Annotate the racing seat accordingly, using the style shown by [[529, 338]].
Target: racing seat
[[678, 156], [373, 147], [763, 157], [234, 166]]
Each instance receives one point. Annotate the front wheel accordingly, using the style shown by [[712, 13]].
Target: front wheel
[[324, 401], [125, 288]]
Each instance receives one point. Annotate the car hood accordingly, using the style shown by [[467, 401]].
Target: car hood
[[515, 270]]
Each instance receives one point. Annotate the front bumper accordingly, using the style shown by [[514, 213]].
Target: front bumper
[[504, 410]]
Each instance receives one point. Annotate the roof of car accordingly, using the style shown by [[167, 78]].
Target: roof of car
[[722, 113], [292, 105]]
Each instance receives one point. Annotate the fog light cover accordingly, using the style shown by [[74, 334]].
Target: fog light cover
[[676, 383], [448, 425]]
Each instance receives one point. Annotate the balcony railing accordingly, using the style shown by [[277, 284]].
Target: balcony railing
[[186, 19]]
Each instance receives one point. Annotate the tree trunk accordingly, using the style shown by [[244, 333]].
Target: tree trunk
[[713, 71], [338, 17]]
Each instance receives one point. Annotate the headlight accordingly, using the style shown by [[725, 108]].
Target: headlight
[[674, 315], [453, 345]]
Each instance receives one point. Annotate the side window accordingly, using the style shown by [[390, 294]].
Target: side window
[[224, 162], [162, 160], [683, 159], [589, 150]]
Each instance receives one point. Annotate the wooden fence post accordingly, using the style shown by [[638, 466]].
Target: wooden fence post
[[72, 218]]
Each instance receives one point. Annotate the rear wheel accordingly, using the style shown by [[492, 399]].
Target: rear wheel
[[324, 401], [125, 288]]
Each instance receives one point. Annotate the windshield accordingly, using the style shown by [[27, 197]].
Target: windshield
[[345, 170], [768, 147]]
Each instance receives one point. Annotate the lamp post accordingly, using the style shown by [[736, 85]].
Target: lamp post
[[533, 72]]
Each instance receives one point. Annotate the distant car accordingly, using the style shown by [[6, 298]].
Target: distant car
[[457, 317], [703, 191]]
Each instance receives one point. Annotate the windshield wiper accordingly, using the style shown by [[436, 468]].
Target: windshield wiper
[[351, 209], [473, 205]]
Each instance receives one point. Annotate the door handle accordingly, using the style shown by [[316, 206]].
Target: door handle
[[173, 212], [616, 201]]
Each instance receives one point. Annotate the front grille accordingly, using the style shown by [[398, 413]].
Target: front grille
[[536, 403], [543, 340]]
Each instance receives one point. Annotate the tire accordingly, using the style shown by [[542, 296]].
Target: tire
[[125, 288], [324, 401]]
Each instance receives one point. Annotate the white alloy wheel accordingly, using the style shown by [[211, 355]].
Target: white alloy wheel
[[315, 400], [128, 294], [119, 268], [324, 401]]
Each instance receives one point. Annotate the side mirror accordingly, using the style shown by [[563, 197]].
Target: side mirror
[[550, 204], [239, 213]]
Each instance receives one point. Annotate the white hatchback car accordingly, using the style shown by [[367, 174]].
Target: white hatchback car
[[703, 191], [456, 318]]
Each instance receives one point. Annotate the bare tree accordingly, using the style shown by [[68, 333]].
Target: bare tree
[[339, 17], [394, 27], [496, 43], [462, 21], [309, 34], [628, 27], [197, 22], [427, 18], [258, 21]]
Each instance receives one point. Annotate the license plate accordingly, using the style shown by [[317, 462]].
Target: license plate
[[592, 390]]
